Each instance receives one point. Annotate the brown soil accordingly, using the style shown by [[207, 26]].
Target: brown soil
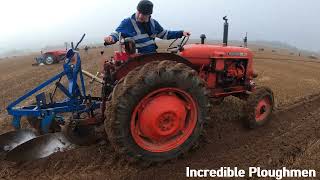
[[291, 138]]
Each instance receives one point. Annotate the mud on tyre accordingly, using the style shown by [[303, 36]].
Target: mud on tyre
[[157, 112]]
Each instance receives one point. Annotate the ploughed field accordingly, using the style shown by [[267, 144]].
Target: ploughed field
[[291, 139]]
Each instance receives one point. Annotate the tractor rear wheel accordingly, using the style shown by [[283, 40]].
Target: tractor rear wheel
[[157, 112], [49, 59], [259, 107]]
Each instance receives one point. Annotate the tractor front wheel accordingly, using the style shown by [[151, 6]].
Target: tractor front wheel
[[259, 107], [157, 112]]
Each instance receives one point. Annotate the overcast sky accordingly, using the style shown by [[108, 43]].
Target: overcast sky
[[37, 23]]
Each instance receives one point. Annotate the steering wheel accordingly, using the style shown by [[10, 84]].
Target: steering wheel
[[178, 47]]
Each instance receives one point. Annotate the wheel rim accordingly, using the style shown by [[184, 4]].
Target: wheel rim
[[49, 60], [263, 109], [164, 119]]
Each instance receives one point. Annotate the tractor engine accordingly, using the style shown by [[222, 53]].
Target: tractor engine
[[233, 74], [224, 68]]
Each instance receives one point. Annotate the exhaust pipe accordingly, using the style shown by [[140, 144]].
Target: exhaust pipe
[[225, 31], [245, 40], [202, 37]]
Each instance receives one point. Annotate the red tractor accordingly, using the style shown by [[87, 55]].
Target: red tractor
[[51, 57], [152, 106], [155, 105]]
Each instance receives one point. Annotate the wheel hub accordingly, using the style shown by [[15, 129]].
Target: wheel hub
[[49, 60], [263, 109], [163, 120], [167, 121], [162, 117]]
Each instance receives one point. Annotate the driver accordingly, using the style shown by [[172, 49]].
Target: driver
[[143, 29]]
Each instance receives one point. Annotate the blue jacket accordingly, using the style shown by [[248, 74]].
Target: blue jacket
[[144, 33]]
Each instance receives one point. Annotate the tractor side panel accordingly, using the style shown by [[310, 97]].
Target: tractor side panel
[[219, 64], [212, 80], [198, 61]]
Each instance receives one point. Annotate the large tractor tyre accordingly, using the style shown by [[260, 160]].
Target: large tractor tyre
[[49, 59], [259, 107], [157, 112]]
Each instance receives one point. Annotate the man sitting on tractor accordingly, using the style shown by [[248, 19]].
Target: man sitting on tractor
[[143, 29]]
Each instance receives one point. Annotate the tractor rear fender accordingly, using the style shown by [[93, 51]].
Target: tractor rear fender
[[146, 58]]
